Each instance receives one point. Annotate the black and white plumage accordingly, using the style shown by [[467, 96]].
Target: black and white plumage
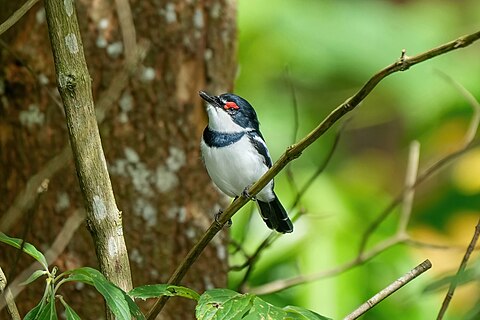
[[236, 156]]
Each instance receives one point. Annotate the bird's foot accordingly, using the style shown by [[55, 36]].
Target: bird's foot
[[228, 224], [247, 195]]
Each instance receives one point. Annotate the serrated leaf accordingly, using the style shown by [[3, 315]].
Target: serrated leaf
[[302, 314], [34, 276], [158, 290], [118, 301], [27, 248], [223, 304], [69, 312]]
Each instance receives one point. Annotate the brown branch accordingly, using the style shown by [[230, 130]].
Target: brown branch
[[74, 85], [399, 283], [17, 15], [127, 26], [363, 255], [467, 144], [461, 269], [436, 246], [273, 236], [295, 151], [283, 284]]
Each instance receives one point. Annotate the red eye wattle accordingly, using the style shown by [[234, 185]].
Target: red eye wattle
[[230, 105]]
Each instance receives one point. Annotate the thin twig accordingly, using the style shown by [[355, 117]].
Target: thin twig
[[400, 282], [461, 269], [17, 15], [127, 27], [362, 255], [472, 129], [295, 128], [295, 151], [400, 236], [467, 144], [410, 178], [283, 284], [436, 246], [7, 298]]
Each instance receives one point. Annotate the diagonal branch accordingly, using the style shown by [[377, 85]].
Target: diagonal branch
[[362, 257], [399, 283], [273, 236], [461, 269], [17, 15], [295, 151]]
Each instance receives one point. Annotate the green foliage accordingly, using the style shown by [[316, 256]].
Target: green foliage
[[26, 247], [69, 312], [158, 290], [117, 300], [228, 304], [212, 304]]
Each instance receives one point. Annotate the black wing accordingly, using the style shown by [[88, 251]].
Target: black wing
[[259, 144]]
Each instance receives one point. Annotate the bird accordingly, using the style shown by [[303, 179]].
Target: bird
[[236, 156]]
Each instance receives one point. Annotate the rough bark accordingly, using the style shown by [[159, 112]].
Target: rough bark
[[150, 138], [74, 84]]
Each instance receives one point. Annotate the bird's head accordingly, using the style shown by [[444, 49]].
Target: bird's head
[[229, 113]]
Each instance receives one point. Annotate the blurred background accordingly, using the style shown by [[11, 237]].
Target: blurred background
[[325, 51]]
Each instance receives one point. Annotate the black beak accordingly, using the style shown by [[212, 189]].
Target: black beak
[[210, 99]]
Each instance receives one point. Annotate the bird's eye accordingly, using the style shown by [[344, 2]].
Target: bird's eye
[[230, 105]]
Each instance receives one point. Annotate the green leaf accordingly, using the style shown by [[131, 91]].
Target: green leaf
[[27, 248], [264, 310], [48, 312], [223, 304], [118, 301], [32, 314], [227, 304], [73, 276], [302, 314], [37, 274], [69, 312], [158, 290]]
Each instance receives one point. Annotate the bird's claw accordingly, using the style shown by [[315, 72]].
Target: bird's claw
[[228, 224], [247, 195]]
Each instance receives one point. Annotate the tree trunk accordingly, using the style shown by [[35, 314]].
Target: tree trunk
[[150, 132]]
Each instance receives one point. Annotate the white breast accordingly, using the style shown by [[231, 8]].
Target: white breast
[[235, 167]]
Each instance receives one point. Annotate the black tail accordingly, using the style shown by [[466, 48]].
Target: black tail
[[275, 216]]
